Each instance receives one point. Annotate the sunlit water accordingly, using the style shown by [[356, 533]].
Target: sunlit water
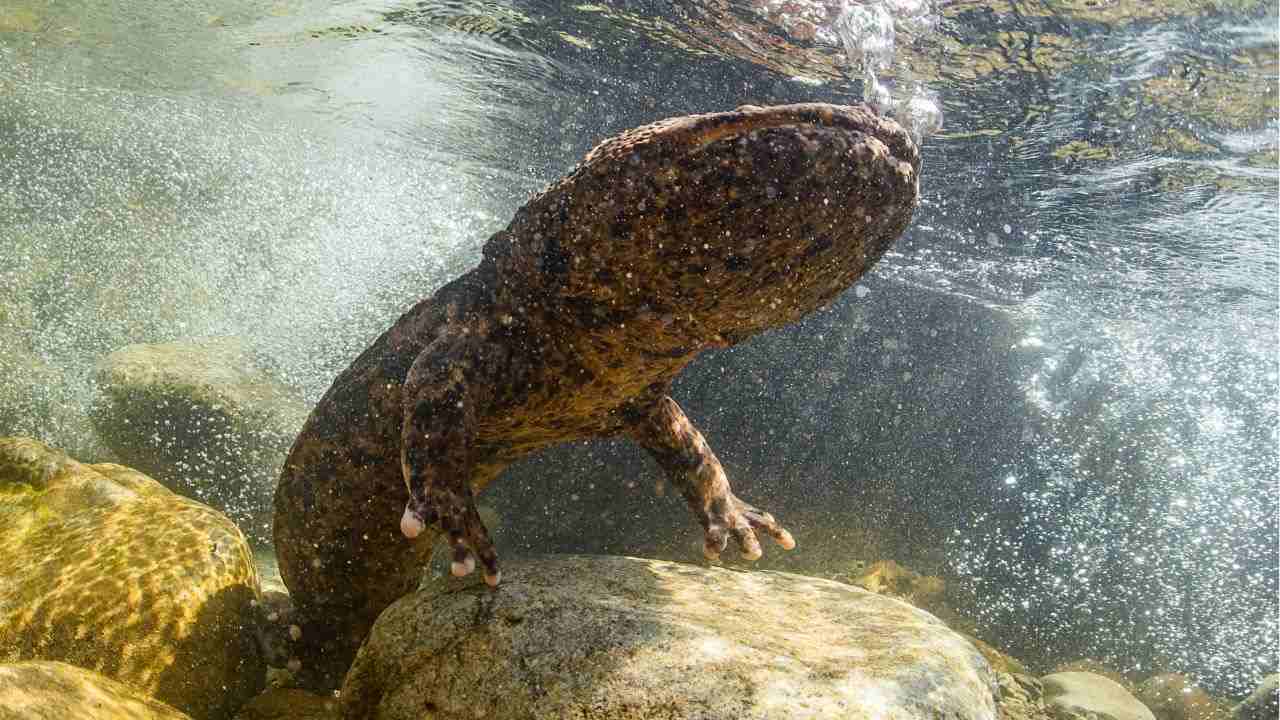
[[1106, 173]]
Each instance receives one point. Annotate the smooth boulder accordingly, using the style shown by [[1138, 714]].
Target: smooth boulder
[[107, 570], [1091, 695], [594, 637], [205, 418]]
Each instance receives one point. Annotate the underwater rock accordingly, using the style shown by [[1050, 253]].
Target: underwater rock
[[1021, 697], [610, 637], [998, 659], [41, 690], [1093, 696], [106, 569], [1095, 667], [1263, 703], [927, 592], [204, 418], [887, 577], [289, 704], [1173, 696], [276, 629]]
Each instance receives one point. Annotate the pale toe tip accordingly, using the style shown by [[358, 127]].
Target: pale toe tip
[[464, 568], [410, 525]]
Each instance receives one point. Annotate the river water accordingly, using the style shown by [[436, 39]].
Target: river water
[[296, 173]]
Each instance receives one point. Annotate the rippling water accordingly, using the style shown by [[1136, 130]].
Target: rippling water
[[1106, 172]]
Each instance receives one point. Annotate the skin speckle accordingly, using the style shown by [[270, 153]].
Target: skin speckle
[[690, 233]]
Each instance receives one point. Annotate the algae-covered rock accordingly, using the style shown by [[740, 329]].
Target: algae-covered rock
[[887, 577], [204, 418], [611, 637], [290, 704], [58, 691], [1021, 697], [1091, 695], [998, 659], [107, 570]]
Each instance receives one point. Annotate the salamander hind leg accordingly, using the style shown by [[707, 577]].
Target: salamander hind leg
[[666, 433]]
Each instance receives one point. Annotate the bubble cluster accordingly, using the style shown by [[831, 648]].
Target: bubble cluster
[[869, 34]]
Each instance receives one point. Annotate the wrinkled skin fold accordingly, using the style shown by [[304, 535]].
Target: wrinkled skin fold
[[688, 234]]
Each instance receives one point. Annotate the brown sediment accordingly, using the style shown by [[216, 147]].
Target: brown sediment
[[690, 233]]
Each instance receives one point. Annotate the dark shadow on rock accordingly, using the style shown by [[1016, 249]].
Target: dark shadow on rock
[[221, 617]]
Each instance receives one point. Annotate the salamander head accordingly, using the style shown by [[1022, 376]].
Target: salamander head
[[710, 228]]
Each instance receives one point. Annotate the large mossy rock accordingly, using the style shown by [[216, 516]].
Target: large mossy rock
[[611, 637], [57, 691], [105, 569], [205, 419]]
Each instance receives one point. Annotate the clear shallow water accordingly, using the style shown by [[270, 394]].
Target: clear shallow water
[[298, 173]]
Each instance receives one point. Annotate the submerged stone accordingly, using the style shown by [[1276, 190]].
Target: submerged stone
[[290, 704], [107, 570], [1021, 697], [612, 637], [58, 691], [204, 418], [1091, 695]]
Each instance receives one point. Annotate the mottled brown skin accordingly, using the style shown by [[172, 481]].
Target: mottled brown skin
[[688, 234]]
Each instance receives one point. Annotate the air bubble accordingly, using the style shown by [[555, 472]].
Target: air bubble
[[869, 34]]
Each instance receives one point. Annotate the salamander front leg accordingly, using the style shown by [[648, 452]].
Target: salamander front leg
[[436, 447], [691, 466]]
